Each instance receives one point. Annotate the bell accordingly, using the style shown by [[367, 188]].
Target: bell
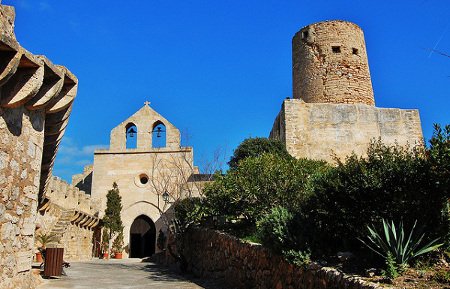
[[131, 132]]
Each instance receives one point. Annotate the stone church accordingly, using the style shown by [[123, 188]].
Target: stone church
[[152, 170]]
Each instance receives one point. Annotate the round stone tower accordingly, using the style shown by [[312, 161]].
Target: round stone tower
[[329, 64]]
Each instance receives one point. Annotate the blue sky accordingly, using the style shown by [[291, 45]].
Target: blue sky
[[219, 70]]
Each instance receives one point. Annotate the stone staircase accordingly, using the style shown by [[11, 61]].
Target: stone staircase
[[61, 227]]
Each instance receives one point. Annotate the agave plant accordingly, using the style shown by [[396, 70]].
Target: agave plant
[[393, 241]]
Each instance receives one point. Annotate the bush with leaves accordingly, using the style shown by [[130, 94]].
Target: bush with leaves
[[118, 243], [274, 230], [189, 211], [391, 182], [260, 183], [254, 147]]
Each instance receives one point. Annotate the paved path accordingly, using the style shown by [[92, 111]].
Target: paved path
[[123, 274]]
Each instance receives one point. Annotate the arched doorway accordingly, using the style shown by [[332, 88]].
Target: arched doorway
[[142, 237]]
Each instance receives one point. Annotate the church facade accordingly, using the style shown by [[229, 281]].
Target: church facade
[[152, 170]]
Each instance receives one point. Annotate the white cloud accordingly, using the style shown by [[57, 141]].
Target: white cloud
[[71, 158]]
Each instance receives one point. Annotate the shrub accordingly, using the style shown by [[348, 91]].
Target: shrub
[[189, 211], [394, 243], [391, 182], [260, 183], [299, 258], [273, 229], [254, 147], [118, 243]]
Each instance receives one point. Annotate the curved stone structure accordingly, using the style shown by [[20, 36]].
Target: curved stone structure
[[330, 64], [36, 99]]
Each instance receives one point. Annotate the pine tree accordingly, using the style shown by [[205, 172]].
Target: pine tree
[[112, 220]]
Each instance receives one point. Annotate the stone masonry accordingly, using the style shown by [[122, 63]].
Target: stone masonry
[[35, 102], [329, 64], [333, 113], [239, 264], [144, 173], [72, 216]]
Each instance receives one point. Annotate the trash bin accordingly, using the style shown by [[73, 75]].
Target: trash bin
[[53, 262]]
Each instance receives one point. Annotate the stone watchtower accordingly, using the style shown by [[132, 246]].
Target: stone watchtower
[[329, 64], [333, 111]]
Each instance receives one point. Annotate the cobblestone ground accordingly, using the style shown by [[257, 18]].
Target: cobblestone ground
[[123, 274]]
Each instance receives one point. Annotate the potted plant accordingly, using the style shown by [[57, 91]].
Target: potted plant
[[118, 246], [105, 243], [44, 239]]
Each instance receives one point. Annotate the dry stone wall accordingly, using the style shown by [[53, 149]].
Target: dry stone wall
[[35, 102], [212, 254]]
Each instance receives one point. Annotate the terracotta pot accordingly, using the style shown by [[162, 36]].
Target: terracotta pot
[[39, 257], [105, 255], [118, 255]]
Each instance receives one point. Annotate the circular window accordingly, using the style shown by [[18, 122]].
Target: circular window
[[143, 179]]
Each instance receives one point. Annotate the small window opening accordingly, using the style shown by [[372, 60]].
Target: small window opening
[[305, 34], [355, 51], [336, 49], [143, 179]]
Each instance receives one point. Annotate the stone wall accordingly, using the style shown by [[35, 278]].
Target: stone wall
[[83, 181], [322, 131], [329, 64], [35, 103], [212, 254], [72, 216]]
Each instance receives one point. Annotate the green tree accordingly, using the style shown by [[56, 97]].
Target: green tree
[[253, 147], [259, 184], [112, 221]]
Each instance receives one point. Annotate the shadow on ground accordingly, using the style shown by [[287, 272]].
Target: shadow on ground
[[161, 273]]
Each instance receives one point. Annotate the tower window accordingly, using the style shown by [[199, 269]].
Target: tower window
[[305, 34], [355, 51], [336, 49]]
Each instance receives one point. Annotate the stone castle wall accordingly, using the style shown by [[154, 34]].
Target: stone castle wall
[[83, 181], [239, 264], [329, 64], [322, 131], [72, 216], [35, 102]]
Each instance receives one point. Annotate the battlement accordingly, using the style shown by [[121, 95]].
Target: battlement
[[69, 197]]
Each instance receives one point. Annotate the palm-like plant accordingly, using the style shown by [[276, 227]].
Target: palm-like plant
[[394, 241], [45, 239]]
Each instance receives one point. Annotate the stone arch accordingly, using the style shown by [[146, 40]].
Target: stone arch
[[129, 215], [131, 133], [142, 237], [159, 134]]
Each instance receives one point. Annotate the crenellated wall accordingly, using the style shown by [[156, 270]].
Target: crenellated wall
[[36, 99], [72, 216]]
